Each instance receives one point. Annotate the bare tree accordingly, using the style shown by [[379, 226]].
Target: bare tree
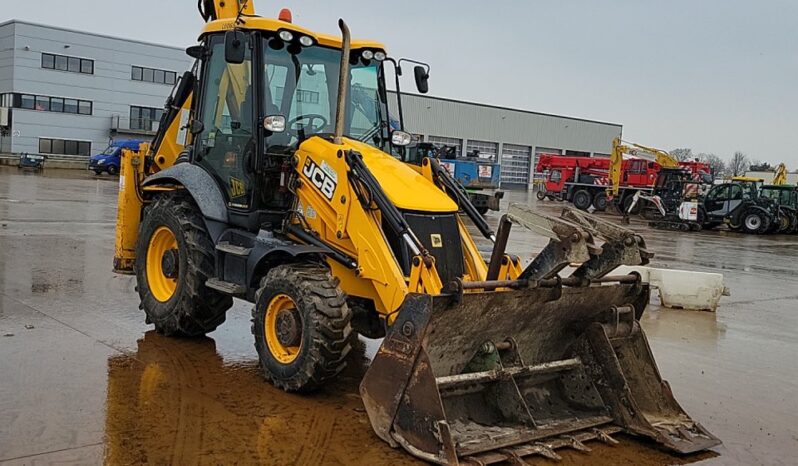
[[738, 164], [716, 164], [757, 166], [682, 154]]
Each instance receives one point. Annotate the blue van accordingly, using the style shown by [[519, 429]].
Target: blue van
[[111, 158]]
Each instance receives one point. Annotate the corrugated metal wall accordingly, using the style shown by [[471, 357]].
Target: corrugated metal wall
[[431, 116]]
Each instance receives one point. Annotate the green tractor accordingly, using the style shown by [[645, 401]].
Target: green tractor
[[785, 196]]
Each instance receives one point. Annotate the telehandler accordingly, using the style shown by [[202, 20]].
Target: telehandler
[[275, 178]]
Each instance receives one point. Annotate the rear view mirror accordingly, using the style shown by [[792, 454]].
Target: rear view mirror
[[234, 50], [422, 79]]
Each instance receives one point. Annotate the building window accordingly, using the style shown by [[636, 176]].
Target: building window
[[28, 101], [577, 153], [145, 118], [440, 141], [43, 103], [482, 149], [151, 75], [64, 147], [303, 96], [52, 61]]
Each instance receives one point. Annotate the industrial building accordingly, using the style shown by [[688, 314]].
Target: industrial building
[[70, 93]]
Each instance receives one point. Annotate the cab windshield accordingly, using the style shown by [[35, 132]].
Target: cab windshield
[[302, 85], [109, 150]]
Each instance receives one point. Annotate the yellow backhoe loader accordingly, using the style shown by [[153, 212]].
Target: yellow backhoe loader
[[276, 177]]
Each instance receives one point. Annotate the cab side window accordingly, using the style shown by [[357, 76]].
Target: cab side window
[[226, 145], [719, 194]]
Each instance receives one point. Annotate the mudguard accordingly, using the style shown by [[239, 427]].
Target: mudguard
[[199, 183]]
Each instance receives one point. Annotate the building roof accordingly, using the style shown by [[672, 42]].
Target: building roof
[[87, 33], [510, 109]]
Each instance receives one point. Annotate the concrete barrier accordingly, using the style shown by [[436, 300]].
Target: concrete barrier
[[682, 289]]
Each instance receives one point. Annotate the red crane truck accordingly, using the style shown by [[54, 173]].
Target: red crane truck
[[583, 181]]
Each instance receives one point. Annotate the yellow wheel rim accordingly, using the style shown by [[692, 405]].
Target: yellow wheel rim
[[162, 286], [285, 353]]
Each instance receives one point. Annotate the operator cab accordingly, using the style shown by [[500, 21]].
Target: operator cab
[[265, 92]]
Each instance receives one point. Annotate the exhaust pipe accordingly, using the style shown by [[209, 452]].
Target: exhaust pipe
[[340, 114]]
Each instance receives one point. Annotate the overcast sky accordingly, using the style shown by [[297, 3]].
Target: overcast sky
[[712, 75]]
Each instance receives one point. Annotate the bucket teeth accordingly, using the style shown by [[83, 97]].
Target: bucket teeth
[[574, 443], [546, 451], [513, 458], [604, 437]]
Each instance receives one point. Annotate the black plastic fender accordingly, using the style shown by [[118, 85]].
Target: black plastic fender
[[200, 185], [269, 251]]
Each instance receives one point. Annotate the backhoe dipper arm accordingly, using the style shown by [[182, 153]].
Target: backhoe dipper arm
[[211, 10], [636, 150], [780, 177]]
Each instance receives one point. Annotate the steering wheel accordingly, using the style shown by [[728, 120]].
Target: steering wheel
[[309, 129]]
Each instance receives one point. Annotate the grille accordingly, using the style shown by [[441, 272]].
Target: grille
[[429, 228]]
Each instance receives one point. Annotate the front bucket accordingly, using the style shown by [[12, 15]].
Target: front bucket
[[484, 378]]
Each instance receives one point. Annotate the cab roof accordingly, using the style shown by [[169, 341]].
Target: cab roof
[[268, 24]]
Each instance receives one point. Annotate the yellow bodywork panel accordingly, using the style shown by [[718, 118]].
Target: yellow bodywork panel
[[128, 213], [176, 138], [405, 187], [269, 24], [329, 206]]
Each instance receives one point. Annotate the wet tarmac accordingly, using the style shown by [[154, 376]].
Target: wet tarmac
[[83, 380]]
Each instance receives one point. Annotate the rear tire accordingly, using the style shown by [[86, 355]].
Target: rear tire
[[541, 194], [171, 280], [582, 199], [302, 326], [755, 222], [600, 201]]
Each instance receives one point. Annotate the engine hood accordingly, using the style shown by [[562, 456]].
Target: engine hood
[[405, 187]]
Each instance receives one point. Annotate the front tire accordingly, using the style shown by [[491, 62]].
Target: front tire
[[174, 259], [302, 327], [113, 170], [755, 222]]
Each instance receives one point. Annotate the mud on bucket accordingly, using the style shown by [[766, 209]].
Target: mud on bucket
[[491, 377]]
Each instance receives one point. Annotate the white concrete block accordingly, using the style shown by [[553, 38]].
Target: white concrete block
[[682, 289]]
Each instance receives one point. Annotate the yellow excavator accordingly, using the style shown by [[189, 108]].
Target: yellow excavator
[[276, 177], [780, 176]]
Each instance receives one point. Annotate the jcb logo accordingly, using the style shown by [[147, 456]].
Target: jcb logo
[[321, 180], [237, 188]]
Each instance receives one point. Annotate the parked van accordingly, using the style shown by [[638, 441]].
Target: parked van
[[111, 158]]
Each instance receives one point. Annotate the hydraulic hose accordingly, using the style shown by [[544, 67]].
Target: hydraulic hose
[[457, 191]]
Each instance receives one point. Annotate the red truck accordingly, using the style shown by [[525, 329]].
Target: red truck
[[583, 181]]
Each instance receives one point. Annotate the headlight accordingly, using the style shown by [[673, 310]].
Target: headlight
[[401, 139], [286, 35], [306, 41], [379, 56], [367, 54], [101, 162], [274, 123]]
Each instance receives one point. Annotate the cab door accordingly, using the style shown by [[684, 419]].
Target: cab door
[[716, 200], [735, 198], [226, 145]]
